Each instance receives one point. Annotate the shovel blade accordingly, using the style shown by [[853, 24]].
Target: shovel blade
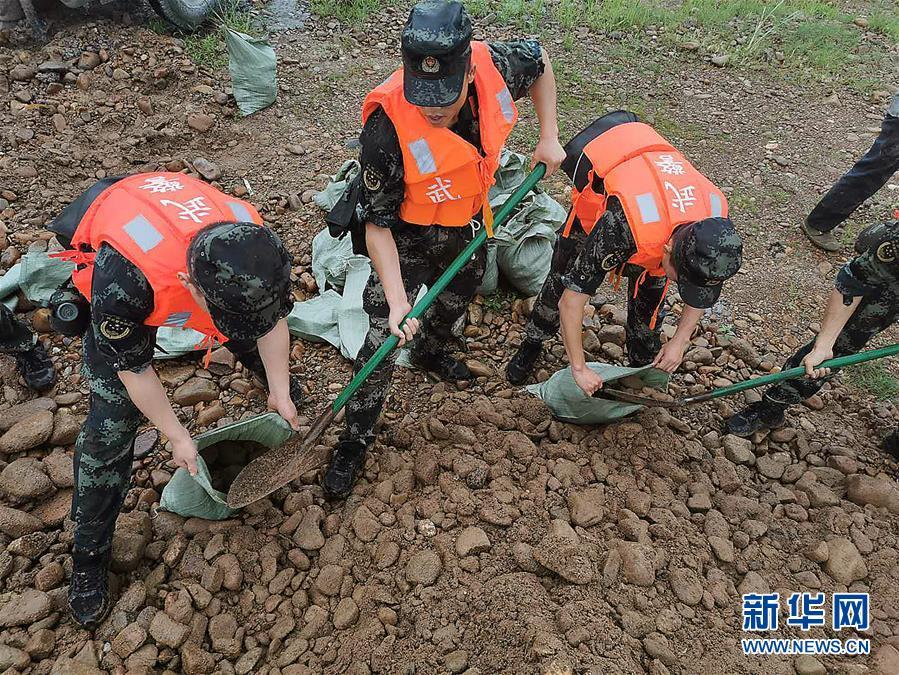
[[280, 466], [636, 399]]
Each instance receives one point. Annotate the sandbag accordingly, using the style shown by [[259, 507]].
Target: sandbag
[[252, 64], [327, 199], [9, 286], [568, 403], [194, 496], [42, 275]]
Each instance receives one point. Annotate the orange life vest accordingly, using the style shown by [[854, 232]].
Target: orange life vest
[[151, 218], [446, 179], [657, 186]]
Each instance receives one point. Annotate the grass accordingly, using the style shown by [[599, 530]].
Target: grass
[[875, 378], [206, 47], [353, 12]]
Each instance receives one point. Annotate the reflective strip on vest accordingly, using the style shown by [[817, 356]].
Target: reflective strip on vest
[[143, 233], [715, 204], [424, 158], [241, 213], [177, 320], [649, 212], [505, 104]]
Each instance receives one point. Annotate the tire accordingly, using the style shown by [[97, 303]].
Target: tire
[[185, 14]]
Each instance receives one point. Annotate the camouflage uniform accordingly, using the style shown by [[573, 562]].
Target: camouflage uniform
[[872, 275], [15, 336], [580, 263], [424, 252], [866, 177]]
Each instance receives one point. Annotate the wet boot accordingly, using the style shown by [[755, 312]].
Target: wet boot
[[522, 364], [764, 414], [89, 601], [891, 444], [443, 364], [36, 368], [823, 240], [346, 463]]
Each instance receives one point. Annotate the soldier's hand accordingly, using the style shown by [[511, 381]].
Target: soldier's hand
[[669, 357], [550, 152], [815, 357], [587, 380], [397, 314], [184, 453], [286, 408]]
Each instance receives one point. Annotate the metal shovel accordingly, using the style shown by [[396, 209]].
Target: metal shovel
[[280, 466], [792, 373]]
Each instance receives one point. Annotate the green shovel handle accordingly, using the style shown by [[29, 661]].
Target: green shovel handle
[[440, 285], [799, 371]]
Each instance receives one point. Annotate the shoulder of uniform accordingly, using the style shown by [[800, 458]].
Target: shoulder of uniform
[[881, 239]]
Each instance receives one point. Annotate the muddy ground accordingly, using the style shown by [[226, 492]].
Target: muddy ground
[[485, 537]]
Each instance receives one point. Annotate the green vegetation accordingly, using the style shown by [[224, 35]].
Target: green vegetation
[[352, 12], [875, 378], [206, 50]]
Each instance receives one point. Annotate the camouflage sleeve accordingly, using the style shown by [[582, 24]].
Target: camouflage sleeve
[[382, 171], [875, 269], [609, 246], [121, 300], [520, 62]]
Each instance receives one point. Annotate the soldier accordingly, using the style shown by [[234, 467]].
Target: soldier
[[431, 141], [866, 177], [31, 357], [863, 303], [161, 249], [639, 209]]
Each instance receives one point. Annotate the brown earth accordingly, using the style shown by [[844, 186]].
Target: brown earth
[[485, 537]]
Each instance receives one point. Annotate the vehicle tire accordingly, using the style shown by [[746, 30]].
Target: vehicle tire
[[185, 14]]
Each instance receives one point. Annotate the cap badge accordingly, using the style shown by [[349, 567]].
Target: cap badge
[[429, 64]]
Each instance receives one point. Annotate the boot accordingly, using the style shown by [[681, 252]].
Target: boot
[[522, 364], [762, 415], [89, 589], [346, 462], [823, 240], [443, 364], [36, 368], [296, 391], [891, 444]]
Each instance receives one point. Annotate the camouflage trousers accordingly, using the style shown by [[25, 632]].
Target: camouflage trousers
[[424, 252], [104, 450], [872, 316], [643, 343], [15, 336]]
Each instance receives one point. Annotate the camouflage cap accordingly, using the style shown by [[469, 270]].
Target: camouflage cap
[[705, 254], [243, 271], [436, 46]]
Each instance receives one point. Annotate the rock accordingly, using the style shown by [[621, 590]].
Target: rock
[[65, 428], [560, 556], [861, 21], [365, 525], [309, 535], [195, 390], [809, 665], [479, 369], [423, 567], [133, 532], [222, 628], [819, 495], [346, 613], [15, 523], [67, 666], [637, 563], [232, 575], [720, 60], [471, 541], [247, 662], [656, 645], [31, 432], [200, 122], [168, 632], [24, 479], [722, 548], [844, 563], [886, 660], [60, 469], [89, 61], [22, 411], [53, 511], [862, 490], [586, 507], [456, 661], [40, 320], [129, 640], [41, 643], [329, 579], [738, 450], [22, 73], [196, 661], [687, 585], [25, 608], [209, 170], [50, 577], [11, 657]]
